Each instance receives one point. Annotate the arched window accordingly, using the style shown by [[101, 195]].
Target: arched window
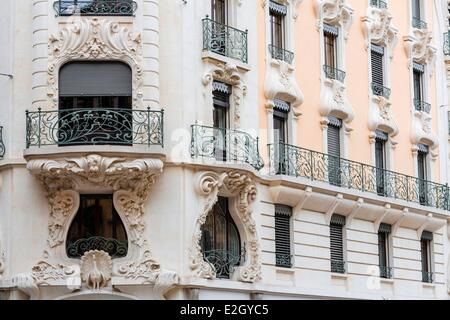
[[95, 100], [97, 226], [221, 244]]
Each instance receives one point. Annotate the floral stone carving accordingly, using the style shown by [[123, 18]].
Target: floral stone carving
[[95, 39], [243, 192]]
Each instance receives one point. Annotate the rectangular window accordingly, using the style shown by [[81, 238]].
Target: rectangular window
[[380, 161], [330, 38], [425, 248], [416, 9], [280, 132], [283, 236], [334, 150], [418, 71], [337, 243], [221, 107], [277, 28], [384, 251], [377, 61], [219, 11], [422, 173]]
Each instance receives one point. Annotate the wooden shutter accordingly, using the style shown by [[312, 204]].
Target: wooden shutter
[[377, 57], [337, 243], [283, 236]]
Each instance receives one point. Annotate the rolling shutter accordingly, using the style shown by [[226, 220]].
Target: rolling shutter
[[337, 243], [334, 150], [283, 236], [95, 79], [377, 56]]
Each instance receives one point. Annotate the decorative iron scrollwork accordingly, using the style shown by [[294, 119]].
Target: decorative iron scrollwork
[[114, 247], [95, 7]]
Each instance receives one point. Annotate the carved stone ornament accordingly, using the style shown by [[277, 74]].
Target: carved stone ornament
[[229, 74], [96, 269], [422, 130], [293, 4], [381, 117], [378, 29], [281, 83], [419, 49], [334, 12], [334, 101], [242, 190], [129, 179], [95, 39]]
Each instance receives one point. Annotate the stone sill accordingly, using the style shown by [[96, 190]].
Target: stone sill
[[242, 66], [429, 285], [387, 281], [339, 276]]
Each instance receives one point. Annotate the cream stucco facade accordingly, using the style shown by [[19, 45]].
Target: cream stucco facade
[[164, 184]]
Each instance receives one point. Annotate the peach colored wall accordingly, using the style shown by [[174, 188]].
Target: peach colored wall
[[308, 70]]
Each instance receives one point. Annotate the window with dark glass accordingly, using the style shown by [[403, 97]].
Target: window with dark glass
[[221, 244], [277, 31], [330, 38], [418, 71], [416, 9], [337, 243], [97, 226], [334, 150], [384, 251], [219, 11], [422, 173], [283, 257], [280, 131], [426, 252], [381, 139], [221, 108], [95, 101]]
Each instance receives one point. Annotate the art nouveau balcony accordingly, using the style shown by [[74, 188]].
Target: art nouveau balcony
[[2, 144], [334, 73], [423, 106], [95, 7], [419, 24], [281, 54], [381, 91], [65, 129], [379, 4], [316, 166], [225, 146], [225, 40]]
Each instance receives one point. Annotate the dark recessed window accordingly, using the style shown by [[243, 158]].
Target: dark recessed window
[[97, 226]]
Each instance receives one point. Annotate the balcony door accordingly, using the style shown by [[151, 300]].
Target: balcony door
[[219, 11], [221, 109], [380, 161], [280, 134], [95, 101], [334, 151], [422, 174], [221, 244]]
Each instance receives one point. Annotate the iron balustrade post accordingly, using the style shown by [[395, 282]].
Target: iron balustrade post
[[148, 124], [161, 125], [27, 128], [39, 127]]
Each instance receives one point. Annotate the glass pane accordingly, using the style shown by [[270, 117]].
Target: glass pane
[[97, 226]]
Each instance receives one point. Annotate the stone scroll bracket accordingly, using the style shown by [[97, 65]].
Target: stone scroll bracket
[[242, 191]]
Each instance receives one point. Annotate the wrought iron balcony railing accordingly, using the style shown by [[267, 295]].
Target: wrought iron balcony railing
[[386, 272], [114, 247], [281, 54], [337, 266], [95, 7], [378, 4], [447, 44], [422, 106], [419, 24], [225, 145], [333, 73], [427, 277], [225, 40], [283, 260], [94, 127], [2, 144], [224, 261], [298, 162], [379, 90]]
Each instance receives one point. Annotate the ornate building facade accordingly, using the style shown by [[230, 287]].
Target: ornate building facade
[[224, 149]]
